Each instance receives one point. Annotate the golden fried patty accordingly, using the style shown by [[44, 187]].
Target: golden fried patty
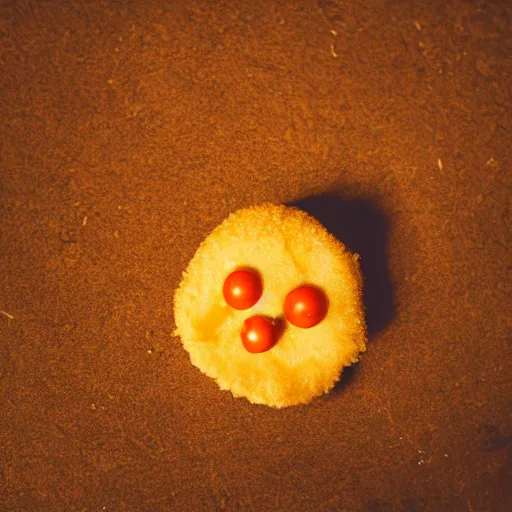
[[288, 248]]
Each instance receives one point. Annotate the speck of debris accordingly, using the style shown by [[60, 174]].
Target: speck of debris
[[440, 164], [333, 53], [10, 317], [417, 24], [333, 32], [84, 222], [93, 407]]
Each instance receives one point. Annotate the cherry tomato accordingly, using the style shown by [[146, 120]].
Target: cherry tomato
[[242, 288], [259, 334], [305, 306]]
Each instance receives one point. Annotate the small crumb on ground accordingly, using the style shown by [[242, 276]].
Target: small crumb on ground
[[440, 164], [10, 317]]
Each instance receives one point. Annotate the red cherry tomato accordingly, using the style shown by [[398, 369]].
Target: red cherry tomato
[[305, 306], [242, 288], [259, 334]]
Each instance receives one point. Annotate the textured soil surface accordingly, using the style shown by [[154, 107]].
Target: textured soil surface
[[130, 129]]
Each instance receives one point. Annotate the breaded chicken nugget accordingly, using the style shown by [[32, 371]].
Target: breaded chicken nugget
[[283, 249]]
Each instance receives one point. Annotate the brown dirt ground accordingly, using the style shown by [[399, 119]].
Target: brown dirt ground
[[130, 129]]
